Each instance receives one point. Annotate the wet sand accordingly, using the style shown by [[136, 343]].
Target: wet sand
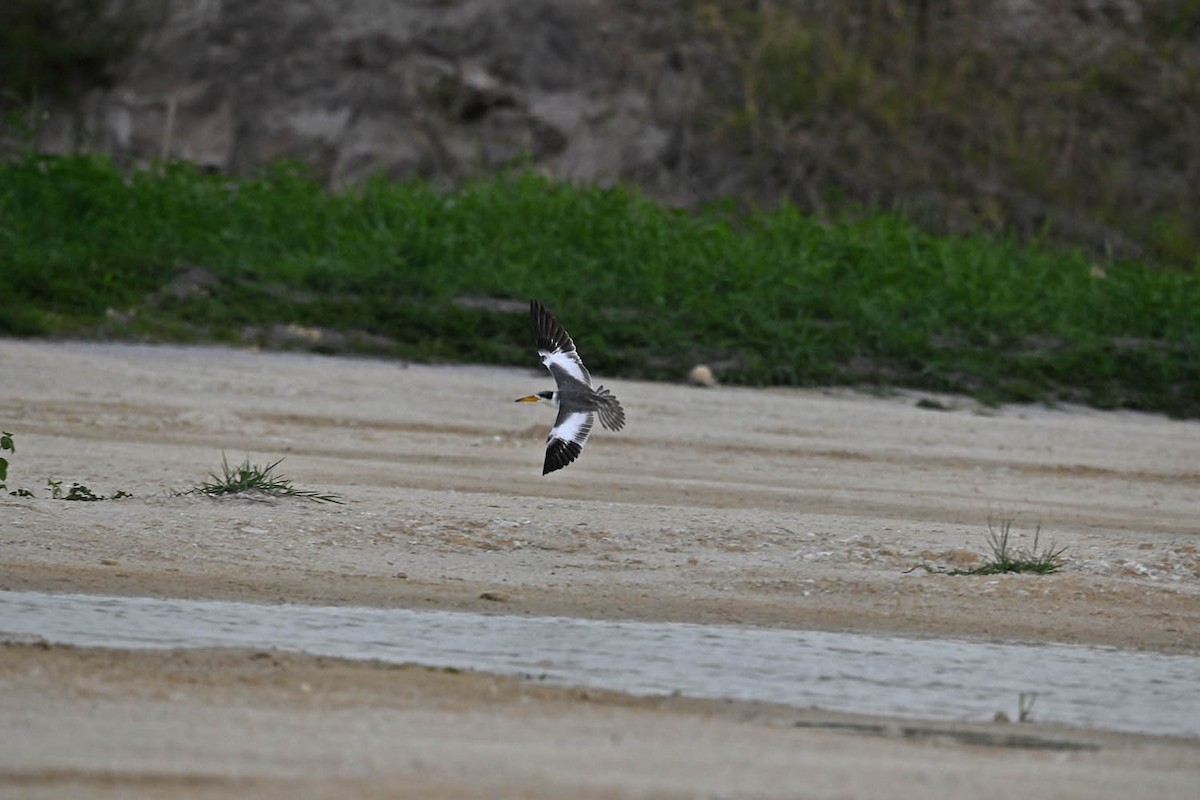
[[805, 509]]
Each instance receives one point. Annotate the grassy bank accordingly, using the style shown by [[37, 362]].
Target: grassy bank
[[400, 269], [1054, 120]]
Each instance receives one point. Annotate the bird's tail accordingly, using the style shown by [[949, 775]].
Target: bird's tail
[[612, 416]]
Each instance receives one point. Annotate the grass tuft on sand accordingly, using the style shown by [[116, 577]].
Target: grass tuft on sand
[[254, 479]]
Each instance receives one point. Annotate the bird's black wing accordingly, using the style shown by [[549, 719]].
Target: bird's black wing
[[567, 438], [555, 346]]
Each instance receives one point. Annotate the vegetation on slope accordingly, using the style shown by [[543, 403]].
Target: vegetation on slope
[[1075, 123], [401, 269]]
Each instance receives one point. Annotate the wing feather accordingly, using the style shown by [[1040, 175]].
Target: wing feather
[[567, 438], [555, 346]]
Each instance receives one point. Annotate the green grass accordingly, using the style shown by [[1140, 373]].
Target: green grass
[[78, 492], [774, 298], [1007, 557], [254, 479]]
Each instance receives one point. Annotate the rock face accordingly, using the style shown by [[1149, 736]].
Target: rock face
[[1067, 129], [433, 88]]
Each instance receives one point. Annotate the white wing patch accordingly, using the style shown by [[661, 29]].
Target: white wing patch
[[568, 362], [566, 439], [573, 428]]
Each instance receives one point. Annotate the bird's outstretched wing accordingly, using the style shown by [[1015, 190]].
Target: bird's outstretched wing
[[555, 346], [567, 438]]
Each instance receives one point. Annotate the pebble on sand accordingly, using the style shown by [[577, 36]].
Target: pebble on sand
[[701, 375]]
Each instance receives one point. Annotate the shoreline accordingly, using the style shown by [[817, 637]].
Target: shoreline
[[776, 508]]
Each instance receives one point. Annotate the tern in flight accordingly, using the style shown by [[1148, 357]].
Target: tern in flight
[[578, 402]]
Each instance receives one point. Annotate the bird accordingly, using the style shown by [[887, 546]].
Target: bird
[[578, 403]]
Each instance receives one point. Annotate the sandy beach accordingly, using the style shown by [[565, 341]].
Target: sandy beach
[[831, 510]]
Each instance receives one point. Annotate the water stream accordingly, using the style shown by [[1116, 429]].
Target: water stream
[[1092, 687]]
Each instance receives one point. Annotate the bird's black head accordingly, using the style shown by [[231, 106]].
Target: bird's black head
[[541, 397]]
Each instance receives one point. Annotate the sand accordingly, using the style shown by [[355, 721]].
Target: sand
[[830, 510]]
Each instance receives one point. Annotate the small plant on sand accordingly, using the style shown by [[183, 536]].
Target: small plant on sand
[[1007, 557], [77, 491], [6, 443], [256, 479], [1025, 701], [80, 492]]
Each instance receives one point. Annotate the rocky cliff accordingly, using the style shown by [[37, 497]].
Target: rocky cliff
[[1074, 122], [592, 91]]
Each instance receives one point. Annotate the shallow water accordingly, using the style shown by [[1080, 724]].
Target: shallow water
[[1092, 687]]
